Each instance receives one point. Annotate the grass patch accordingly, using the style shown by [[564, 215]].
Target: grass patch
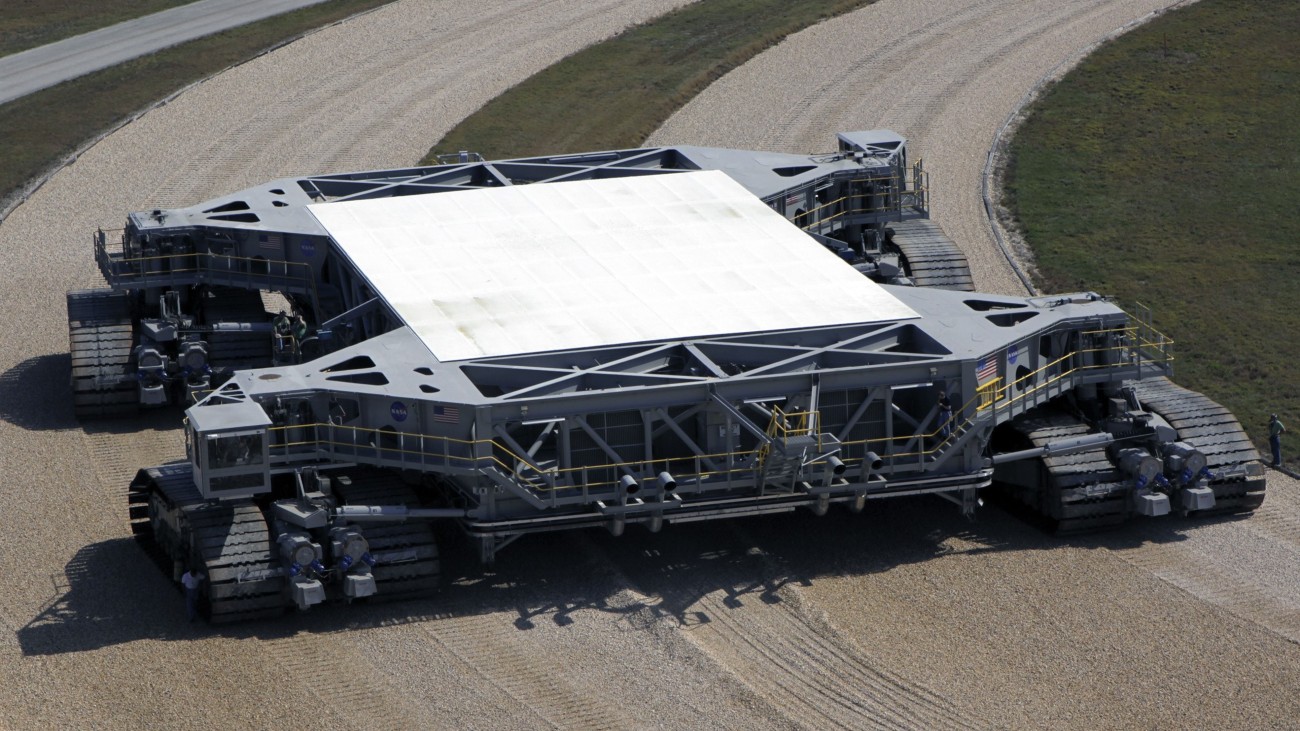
[[39, 130], [614, 94], [27, 24], [1163, 171]]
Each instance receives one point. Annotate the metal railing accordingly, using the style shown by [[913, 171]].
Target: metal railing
[[410, 450], [895, 193], [1136, 347], [993, 399], [210, 267], [463, 157]]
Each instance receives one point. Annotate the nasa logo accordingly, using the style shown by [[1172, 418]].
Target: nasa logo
[[398, 411], [308, 248]]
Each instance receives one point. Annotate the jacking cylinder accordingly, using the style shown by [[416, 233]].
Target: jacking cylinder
[[301, 554], [822, 505], [351, 554], [1139, 464], [151, 371], [1183, 463]]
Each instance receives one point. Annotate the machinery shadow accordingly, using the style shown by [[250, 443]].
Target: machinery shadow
[[35, 394], [111, 593], [753, 560]]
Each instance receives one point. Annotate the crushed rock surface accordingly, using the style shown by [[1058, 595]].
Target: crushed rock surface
[[906, 617]]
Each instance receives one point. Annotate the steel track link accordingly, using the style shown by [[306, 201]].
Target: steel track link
[[100, 339], [406, 553], [244, 580], [931, 259], [236, 350], [1214, 431], [1079, 490]]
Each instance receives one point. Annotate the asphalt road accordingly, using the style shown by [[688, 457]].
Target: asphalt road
[[54, 63]]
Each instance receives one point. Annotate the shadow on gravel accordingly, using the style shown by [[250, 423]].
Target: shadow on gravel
[[35, 394], [111, 592]]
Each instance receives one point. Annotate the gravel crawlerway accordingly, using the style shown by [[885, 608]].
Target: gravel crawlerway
[[1036, 633], [906, 617], [95, 636]]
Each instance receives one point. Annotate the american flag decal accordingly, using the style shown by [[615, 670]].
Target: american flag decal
[[270, 241], [446, 414], [986, 368]]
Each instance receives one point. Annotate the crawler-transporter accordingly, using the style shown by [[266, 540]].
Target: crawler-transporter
[[652, 336]]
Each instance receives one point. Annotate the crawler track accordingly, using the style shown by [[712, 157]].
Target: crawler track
[[406, 553], [931, 259], [1082, 490], [237, 350], [1214, 431], [229, 541], [100, 338], [244, 579]]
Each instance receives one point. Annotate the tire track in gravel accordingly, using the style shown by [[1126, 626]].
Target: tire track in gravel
[[382, 84], [342, 682], [948, 92], [805, 117], [812, 673], [371, 92], [1248, 565], [917, 113], [735, 602], [492, 650]]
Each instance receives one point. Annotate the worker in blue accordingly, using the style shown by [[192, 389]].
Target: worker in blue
[[192, 580], [1275, 431]]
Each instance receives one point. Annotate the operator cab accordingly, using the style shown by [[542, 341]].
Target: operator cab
[[227, 445]]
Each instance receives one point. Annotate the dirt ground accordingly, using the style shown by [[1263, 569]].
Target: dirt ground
[[907, 616]]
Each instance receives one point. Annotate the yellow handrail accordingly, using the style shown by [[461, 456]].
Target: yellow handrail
[[993, 391], [782, 425]]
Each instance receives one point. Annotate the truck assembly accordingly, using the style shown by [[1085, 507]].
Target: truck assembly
[[651, 336]]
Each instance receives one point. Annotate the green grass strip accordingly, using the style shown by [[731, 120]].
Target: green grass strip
[[41, 129], [614, 94], [1164, 171]]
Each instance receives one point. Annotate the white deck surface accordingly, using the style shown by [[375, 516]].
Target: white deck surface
[[533, 268]]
